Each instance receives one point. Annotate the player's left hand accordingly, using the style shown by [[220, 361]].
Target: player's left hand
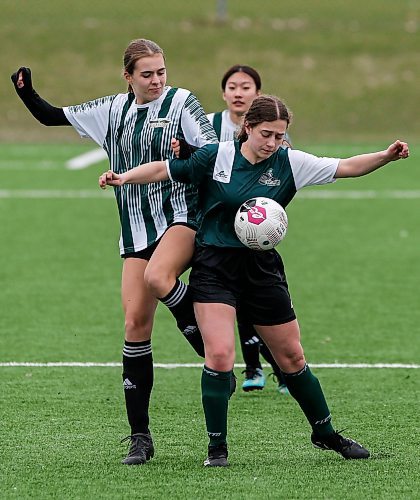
[[398, 151]]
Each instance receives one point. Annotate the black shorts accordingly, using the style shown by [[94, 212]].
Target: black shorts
[[147, 253], [252, 282]]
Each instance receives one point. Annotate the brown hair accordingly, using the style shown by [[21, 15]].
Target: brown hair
[[242, 69], [136, 50], [264, 108]]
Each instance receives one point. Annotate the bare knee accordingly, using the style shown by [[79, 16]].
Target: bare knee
[[292, 361], [138, 328], [159, 281], [219, 358]]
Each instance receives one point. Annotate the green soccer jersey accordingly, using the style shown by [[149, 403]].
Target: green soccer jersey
[[133, 134], [226, 179]]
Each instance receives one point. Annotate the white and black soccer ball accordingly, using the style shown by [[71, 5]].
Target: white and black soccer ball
[[260, 223]]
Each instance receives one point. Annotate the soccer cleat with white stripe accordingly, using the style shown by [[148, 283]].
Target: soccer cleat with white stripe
[[254, 380]]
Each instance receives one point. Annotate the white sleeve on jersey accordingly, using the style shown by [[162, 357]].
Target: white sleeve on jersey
[[91, 119], [309, 170], [195, 125], [210, 117]]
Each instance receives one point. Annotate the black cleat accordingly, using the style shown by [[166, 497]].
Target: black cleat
[[217, 456], [346, 447], [141, 449]]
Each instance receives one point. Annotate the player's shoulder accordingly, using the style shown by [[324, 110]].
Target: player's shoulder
[[211, 149]]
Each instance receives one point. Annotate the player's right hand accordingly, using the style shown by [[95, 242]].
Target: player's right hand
[[22, 80], [110, 178]]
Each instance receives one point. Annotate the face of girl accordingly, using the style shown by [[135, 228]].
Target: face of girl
[[240, 91], [264, 139], [148, 79]]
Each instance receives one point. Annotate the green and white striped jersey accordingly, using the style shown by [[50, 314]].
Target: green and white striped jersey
[[223, 125], [133, 134], [225, 128], [226, 179]]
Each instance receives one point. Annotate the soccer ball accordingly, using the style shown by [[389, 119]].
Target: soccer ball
[[260, 223]]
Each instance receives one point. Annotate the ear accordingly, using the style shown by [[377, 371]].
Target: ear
[[224, 96], [247, 127], [128, 77]]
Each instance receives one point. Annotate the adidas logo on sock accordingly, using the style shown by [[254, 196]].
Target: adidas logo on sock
[[190, 330], [128, 385], [253, 340]]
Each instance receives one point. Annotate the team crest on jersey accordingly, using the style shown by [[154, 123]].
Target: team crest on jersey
[[160, 122], [268, 179]]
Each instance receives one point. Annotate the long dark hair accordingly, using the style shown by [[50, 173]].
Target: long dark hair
[[238, 68], [264, 108]]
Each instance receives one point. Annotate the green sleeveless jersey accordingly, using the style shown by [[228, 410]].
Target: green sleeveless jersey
[[133, 134], [226, 179]]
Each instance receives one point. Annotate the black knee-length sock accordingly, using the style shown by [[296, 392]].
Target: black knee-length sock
[[179, 302], [138, 383], [250, 345]]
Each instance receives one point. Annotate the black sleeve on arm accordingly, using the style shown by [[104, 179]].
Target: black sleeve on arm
[[43, 111], [185, 149]]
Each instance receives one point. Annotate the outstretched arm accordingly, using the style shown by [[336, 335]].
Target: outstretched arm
[[154, 171], [44, 112], [359, 165]]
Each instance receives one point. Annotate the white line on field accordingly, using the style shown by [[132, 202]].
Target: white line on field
[[14, 165], [325, 194], [198, 365], [86, 159], [319, 194]]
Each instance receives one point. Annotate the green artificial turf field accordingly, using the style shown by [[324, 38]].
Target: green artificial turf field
[[351, 256]]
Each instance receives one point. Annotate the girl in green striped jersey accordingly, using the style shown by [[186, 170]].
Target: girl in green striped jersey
[[224, 272], [158, 221]]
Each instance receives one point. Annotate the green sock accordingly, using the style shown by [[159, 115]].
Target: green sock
[[216, 390], [307, 391]]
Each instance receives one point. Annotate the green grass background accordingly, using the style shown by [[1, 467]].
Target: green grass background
[[350, 72], [349, 69], [353, 271]]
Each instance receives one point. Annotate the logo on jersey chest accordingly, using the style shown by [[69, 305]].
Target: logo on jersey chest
[[160, 122], [268, 179]]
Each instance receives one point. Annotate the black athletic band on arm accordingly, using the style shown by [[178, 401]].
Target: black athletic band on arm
[[43, 111], [185, 149]]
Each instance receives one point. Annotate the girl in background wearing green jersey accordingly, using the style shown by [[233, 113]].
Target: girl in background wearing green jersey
[[240, 86], [158, 221], [225, 272]]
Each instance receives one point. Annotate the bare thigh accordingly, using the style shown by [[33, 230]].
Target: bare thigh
[[284, 344], [139, 304], [170, 259], [217, 326]]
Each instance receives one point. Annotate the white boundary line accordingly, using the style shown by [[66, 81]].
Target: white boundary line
[[56, 193], [86, 159], [316, 194], [76, 364]]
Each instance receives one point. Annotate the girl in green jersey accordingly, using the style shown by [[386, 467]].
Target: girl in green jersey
[[224, 272], [240, 86]]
